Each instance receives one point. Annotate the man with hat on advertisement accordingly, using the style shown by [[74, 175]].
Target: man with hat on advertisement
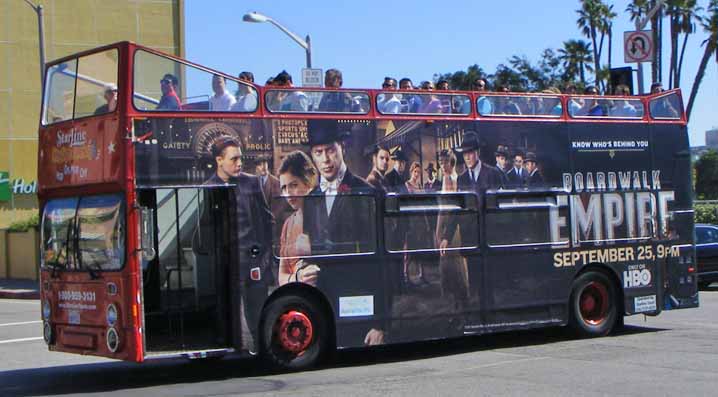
[[502, 155], [533, 177], [338, 214], [432, 184], [477, 177], [395, 177]]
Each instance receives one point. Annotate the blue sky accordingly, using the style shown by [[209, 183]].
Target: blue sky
[[370, 39]]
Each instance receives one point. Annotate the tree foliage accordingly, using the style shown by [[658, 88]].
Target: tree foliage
[[707, 176]]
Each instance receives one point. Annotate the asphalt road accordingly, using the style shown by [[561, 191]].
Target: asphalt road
[[673, 354]]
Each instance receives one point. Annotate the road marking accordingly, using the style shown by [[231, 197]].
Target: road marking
[[20, 340], [20, 323]]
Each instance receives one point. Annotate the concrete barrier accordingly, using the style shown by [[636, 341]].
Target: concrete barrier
[[23, 254]]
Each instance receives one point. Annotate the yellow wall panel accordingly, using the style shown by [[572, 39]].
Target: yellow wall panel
[[80, 16], [4, 70], [5, 102], [156, 25], [24, 66], [24, 160], [5, 154], [25, 114]]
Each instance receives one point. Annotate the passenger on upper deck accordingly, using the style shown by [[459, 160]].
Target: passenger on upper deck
[[111, 99], [663, 107], [169, 100], [389, 102], [292, 101], [246, 96], [222, 100], [431, 103], [336, 101], [574, 104], [409, 103], [591, 106], [442, 85], [505, 104], [623, 108]]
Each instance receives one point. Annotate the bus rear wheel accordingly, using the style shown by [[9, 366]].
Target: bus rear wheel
[[593, 305], [294, 333]]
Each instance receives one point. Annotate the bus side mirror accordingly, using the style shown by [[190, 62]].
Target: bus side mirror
[[147, 233]]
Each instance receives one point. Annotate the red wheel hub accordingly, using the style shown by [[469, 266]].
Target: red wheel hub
[[294, 331], [593, 303]]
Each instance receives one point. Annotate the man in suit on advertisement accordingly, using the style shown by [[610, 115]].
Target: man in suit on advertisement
[[477, 177], [517, 174], [339, 214], [252, 241]]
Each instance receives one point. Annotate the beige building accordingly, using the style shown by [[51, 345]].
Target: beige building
[[70, 26]]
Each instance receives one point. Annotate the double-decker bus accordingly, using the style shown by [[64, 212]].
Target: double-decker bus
[[186, 212]]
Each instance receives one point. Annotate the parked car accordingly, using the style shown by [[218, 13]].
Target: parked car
[[707, 254]]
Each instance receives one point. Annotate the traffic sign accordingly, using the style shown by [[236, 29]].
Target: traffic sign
[[311, 77], [638, 46]]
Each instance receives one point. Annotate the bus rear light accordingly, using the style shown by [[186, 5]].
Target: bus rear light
[[113, 340], [691, 269], [111, 314], [47, 333]]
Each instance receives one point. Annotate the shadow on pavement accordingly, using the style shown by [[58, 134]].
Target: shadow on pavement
[[176, 377]]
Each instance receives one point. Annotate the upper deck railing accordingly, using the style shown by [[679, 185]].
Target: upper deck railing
[[74, 91]]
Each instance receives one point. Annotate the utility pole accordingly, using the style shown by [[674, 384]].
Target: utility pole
[[640, 25], [41, 39]]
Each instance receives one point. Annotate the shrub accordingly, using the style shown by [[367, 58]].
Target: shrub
[[706, 213], [25, 225]]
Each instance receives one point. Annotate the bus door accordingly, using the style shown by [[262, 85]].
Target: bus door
[[520, 281], [185, 283]]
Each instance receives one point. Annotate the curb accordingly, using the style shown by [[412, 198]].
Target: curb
[[19, 294]]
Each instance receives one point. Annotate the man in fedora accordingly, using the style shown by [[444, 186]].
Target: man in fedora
[[502, 155], [533, 177], [478, 177], [395, 178], [432, 184], [337, 219]]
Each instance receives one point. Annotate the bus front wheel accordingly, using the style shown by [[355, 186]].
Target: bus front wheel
[[593, 305], [294, 333]]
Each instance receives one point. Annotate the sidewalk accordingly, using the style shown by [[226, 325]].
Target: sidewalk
[[19, 289]]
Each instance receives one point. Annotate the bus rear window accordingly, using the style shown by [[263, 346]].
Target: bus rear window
[[614, 108], [519, 106], [422, 104], [666, 107]]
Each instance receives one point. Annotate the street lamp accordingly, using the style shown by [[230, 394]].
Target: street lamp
[[306, 43], [41, 39]]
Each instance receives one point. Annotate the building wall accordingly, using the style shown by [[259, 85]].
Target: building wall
[[712, 138], [70, 26]]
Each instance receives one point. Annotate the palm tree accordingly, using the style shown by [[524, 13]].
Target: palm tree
[[576, 58], [710, 25], [589, 21], [689, 15], [607, 23]]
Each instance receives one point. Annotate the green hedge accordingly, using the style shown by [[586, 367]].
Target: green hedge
[[706, 213], [25, 225]]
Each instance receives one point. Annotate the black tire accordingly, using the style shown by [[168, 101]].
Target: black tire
[[294, 317], [593, 307]]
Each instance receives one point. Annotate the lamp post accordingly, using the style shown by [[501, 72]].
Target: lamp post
[[41, 39], [304, 43]]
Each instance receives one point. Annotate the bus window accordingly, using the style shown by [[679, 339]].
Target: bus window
[[666, 107], [163, 84], [520, 105], [622, 107], [303, 101], [422, 104], [96, 91], [58, 233], [413, 222], [525, 221], [101, 244], [60, 92]]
